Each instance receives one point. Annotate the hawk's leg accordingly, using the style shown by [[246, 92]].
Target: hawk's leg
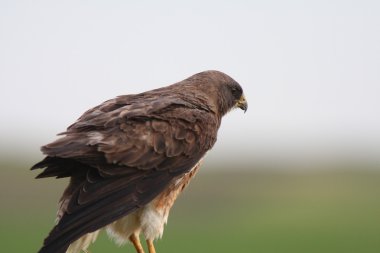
[[151, 246], [136, 242]]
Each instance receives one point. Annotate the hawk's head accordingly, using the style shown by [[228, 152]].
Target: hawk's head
[[223, 91]]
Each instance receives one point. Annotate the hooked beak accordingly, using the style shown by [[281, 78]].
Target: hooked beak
[[242, 103]]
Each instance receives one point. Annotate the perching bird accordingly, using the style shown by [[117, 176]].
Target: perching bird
[[130, 157]]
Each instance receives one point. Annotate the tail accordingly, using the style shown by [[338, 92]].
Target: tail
[[77, 246], [59, 168], [55, 248], [56, 167]]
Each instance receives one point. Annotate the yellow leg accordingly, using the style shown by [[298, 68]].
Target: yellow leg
[[151, 246], [136, 242]]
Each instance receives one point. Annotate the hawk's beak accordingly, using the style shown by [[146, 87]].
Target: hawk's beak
[[242, 103]]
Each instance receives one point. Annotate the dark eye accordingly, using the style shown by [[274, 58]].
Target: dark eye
[[236, 92]]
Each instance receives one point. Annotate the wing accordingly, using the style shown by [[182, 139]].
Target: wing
[[124, 154]]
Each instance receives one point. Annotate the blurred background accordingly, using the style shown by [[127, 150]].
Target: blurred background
[[299, 172]]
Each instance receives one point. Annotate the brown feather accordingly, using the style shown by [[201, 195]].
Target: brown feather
[[122, 154]]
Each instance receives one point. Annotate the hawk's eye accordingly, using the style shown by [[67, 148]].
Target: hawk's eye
[[236, 92]]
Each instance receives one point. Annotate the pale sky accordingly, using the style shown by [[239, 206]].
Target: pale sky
[[310, 69]]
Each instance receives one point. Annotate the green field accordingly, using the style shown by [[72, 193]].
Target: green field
[[265, 212]]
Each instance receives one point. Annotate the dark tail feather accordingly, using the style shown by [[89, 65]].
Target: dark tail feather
[[58, 242], [56, 167], [54, 248]]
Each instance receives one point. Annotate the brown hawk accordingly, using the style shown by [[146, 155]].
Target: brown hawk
[[130, 157]]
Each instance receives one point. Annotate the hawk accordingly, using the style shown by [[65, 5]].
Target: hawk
[[129, 158]]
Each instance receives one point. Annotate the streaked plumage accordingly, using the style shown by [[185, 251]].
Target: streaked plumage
[[130, 157]]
